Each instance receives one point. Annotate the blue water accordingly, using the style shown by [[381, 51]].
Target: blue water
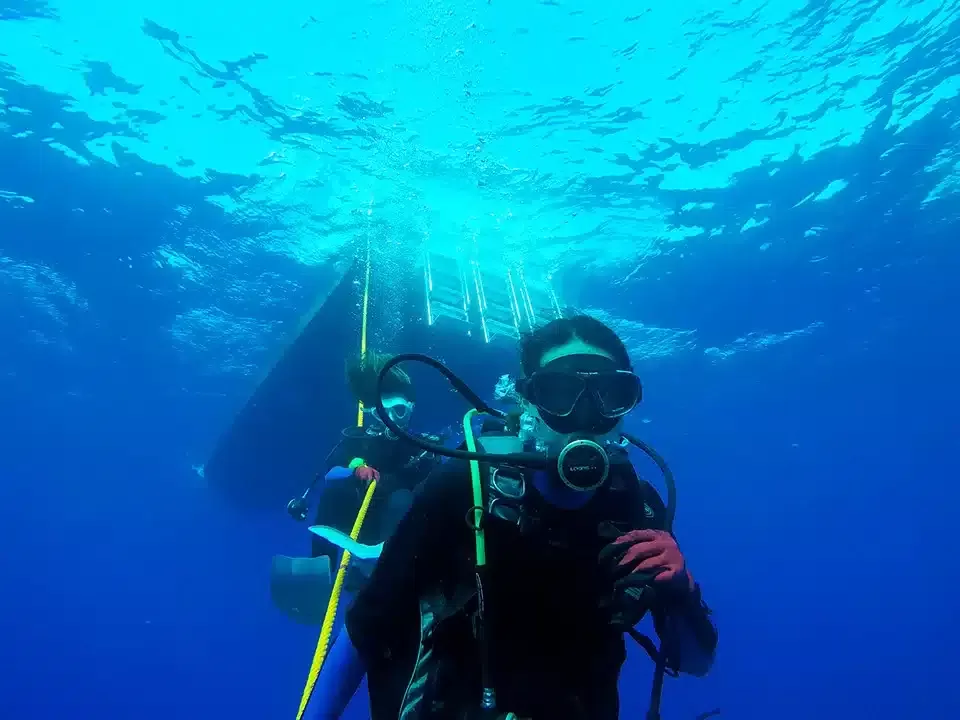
[[761, 198]]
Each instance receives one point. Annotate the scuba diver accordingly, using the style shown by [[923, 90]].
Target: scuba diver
[[301, 587], [512, 601]]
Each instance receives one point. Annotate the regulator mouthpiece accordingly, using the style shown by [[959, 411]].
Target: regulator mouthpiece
[[583, 465]]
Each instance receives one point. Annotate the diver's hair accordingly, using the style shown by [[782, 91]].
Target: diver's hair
[[534, 345], [363, 371]]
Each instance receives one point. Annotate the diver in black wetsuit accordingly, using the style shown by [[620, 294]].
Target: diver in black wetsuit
[[512, 601], [300, 587]]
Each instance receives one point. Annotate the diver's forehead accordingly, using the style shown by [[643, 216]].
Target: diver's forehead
[[390, 400]]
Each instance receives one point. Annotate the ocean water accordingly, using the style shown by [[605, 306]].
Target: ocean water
[[760, 197]]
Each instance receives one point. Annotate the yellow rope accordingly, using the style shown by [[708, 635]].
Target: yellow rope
[[329, 620]]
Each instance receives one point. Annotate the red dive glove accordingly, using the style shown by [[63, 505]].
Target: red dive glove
[[366, 474], [656, 552], [644, 564]]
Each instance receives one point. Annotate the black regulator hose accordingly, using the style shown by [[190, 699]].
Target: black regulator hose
[[667, 477], [534, 461]]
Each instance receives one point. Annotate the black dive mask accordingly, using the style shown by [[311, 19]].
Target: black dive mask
[[581, 394]]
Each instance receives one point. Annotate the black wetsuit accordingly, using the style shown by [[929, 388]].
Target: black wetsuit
[[402, 466], [554, 652]]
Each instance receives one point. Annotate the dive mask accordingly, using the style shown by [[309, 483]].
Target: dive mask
[[581, 393], [398, 409]]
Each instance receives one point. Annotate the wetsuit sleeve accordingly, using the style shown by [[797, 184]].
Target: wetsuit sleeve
[[687, 633], [420, 545], [337, 503]]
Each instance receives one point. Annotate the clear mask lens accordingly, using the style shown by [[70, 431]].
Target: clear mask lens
[[399, 410]]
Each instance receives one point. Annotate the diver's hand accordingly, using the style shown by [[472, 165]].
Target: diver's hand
[[650, 553], [366, 475], [644, 565]]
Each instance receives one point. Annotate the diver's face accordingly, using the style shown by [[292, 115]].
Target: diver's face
[[578, 390], [398, 408]]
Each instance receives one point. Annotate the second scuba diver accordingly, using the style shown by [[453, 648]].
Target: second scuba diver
[[300, 587], [513, 601]]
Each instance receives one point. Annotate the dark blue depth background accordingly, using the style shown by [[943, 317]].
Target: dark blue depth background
[[818, 477]]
